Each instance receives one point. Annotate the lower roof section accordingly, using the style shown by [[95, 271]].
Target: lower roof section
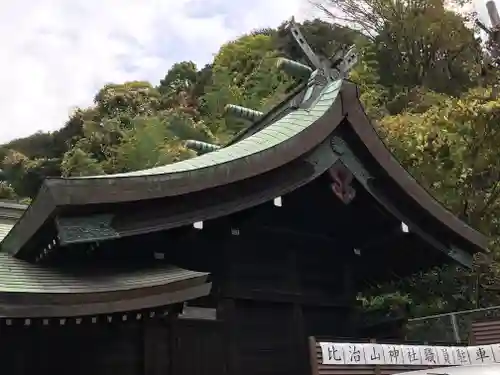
[[5, 227], [10, 212], [32, 290], [11, 209]]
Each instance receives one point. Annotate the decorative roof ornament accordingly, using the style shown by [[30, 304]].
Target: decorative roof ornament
[[493, 13], [201, 147], [336, 67], [325, 69], [492, 60], [243, 112], [294, 68], [492, 32]]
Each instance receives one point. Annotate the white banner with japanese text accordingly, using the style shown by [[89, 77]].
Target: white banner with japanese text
[[418, 355]]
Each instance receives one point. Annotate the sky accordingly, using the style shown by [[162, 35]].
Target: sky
[[56, 54]]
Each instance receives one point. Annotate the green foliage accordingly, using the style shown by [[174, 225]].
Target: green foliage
[[25, 175], [453, 147], [244, 72], [418, 43], [127, 100], [154, 141], [181, 74], [450, 144], [77, 162], [6, 191]]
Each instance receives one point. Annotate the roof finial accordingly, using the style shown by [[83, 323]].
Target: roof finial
[[243, 112], [201, 147], [294, 68], [337, 67], [301, 41], [493, 32], [493, 13]]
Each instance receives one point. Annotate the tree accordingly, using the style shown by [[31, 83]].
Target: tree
[[77, 162], [180, 75], [453, 149], [149, 143], [127, 100], [6, 191], [25, 175], [33, 146], [178, 86], [450, 144], [419, 43]]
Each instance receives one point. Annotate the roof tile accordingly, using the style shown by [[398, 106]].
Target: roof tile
[[23, 277], [4, 229]]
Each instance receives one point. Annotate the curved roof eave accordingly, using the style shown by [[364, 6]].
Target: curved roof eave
[[230, 199], [274, 145], [31, 290], [361, 124]]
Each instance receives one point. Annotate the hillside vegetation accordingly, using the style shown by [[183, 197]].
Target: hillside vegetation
[[424, 82]]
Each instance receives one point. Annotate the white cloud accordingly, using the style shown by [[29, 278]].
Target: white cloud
[[57, 53]]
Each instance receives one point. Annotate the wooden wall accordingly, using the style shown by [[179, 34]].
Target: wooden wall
[[75, 349], [148, 347], [272, 295], [197, 348]]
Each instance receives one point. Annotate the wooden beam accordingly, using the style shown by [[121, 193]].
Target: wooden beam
[[282, 297]]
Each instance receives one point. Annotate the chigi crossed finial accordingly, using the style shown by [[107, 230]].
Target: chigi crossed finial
[[321, 71], [333, 68]]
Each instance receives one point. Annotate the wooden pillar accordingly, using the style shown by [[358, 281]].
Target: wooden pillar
[[302, 347], [173, 332], [156, 348], [228, 316], [298, 324]]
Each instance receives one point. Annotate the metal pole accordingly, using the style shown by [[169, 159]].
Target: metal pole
[[493, 13], [494, 39], [456, 313], [454, 324], [478, 290]]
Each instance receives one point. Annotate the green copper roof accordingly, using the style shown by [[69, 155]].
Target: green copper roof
[[19, 276], [269, 137], [56, 292], [4, 229], [10, 212]]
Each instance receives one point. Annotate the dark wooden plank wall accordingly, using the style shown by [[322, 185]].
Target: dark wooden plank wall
[[265, 339], [126, 348], [76, 349], [197, 348], [273, 294]]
